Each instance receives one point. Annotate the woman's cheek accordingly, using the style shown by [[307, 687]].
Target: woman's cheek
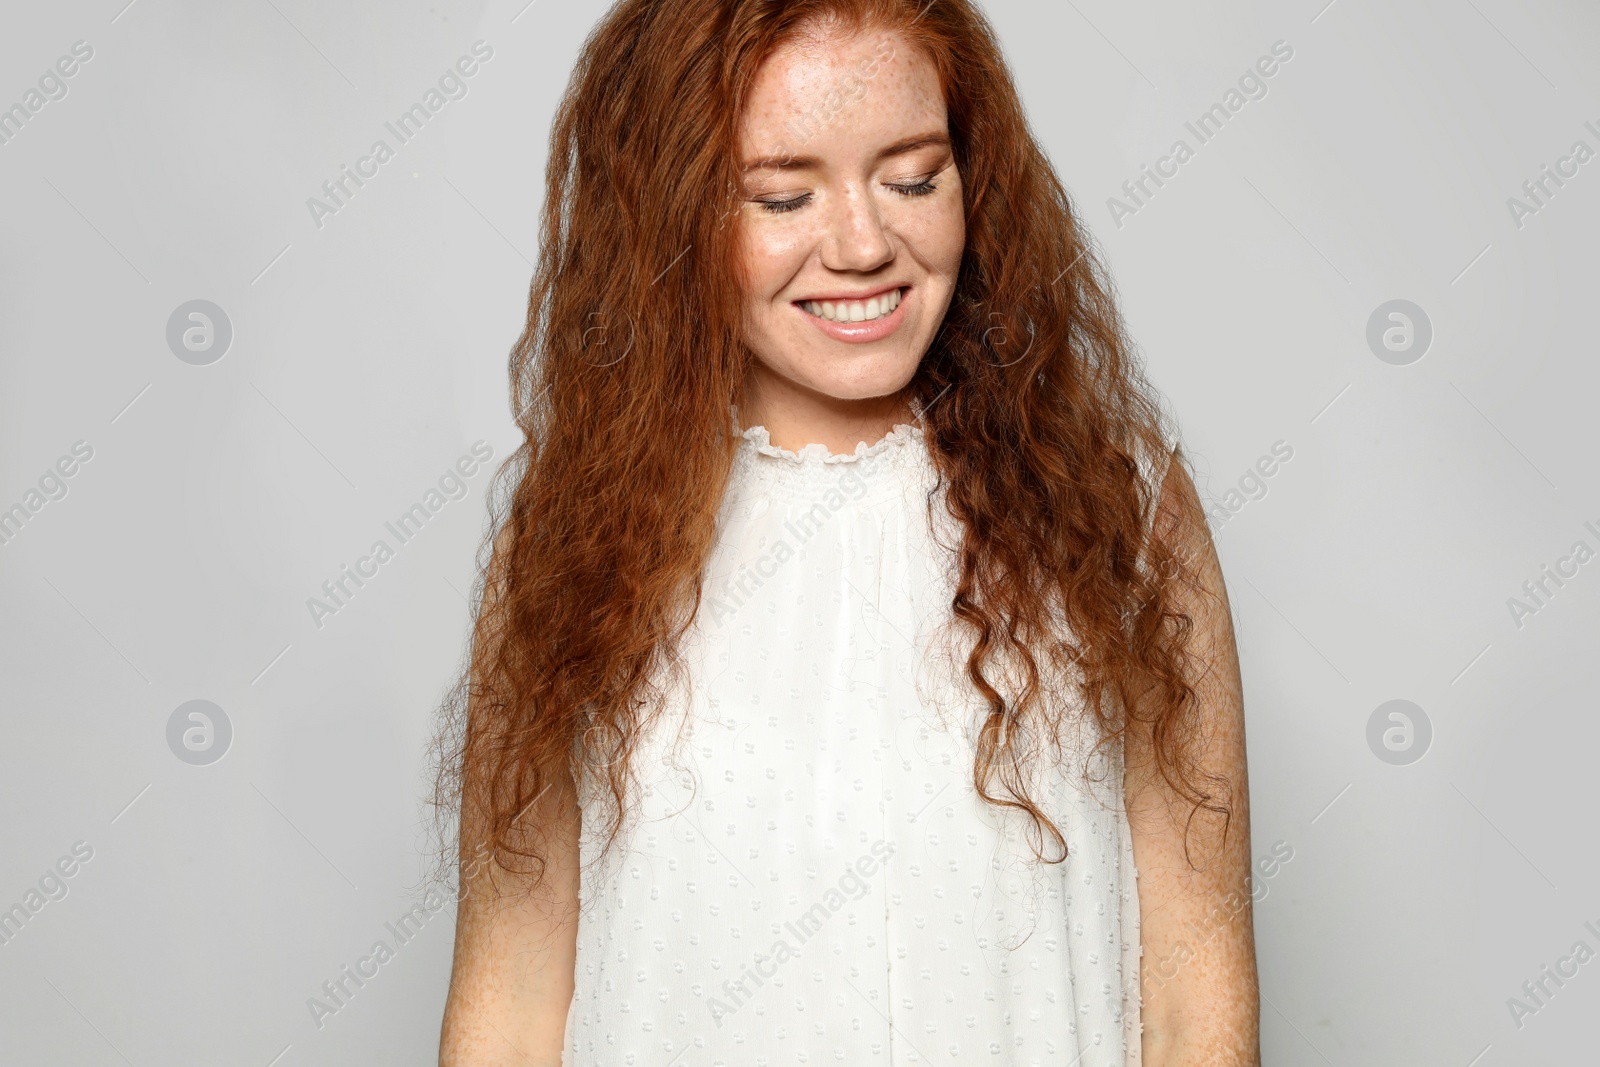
[[938, 239], [764, 253], [955, 227]]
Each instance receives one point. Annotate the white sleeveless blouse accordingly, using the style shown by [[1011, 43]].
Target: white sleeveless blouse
[[808, 875]]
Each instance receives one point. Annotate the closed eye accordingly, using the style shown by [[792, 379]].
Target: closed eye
[[794, 203], [922, 188], [778, 207]]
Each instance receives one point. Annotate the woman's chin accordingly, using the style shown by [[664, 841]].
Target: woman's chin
[[874, 388], [858, 379]]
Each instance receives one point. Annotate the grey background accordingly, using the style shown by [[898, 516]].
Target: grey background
[[368, 355]]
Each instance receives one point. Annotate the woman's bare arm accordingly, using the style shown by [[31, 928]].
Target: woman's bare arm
[[1198, 972], [516, 940], [511, 982]]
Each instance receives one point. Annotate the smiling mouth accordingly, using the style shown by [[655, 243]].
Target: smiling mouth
[[849, 311]]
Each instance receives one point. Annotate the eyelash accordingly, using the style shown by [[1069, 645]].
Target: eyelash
[[779, 207]]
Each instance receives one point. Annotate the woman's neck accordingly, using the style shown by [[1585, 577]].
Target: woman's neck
[[795, 417]]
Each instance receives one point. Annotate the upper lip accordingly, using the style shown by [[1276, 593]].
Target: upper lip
[[866, 295]]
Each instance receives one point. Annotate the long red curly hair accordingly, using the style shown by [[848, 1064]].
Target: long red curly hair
[[1034, 403]]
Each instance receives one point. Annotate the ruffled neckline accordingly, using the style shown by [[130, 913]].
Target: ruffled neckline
[[759, 440], [903, 434], [871, 474]]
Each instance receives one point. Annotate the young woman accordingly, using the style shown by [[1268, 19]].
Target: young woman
[[851, 639]]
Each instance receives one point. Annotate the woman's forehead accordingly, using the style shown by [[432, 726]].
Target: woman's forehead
[[808, 89]]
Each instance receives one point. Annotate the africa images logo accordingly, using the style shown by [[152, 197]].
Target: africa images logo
[[452, 85], [736, 589], [339, 590], [1252, 86]]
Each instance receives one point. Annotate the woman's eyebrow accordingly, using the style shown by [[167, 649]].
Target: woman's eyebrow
[[792, 162]]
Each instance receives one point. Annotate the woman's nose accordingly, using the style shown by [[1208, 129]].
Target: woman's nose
[[857, 237]]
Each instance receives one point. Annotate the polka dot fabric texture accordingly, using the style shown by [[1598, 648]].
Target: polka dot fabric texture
[[807, 875]]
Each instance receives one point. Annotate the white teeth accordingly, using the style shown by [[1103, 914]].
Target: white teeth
[[854, 310]]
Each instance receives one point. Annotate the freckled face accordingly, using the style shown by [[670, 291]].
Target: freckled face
[[852, 226]]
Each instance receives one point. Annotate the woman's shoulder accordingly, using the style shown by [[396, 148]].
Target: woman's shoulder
[[1154, 452]]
